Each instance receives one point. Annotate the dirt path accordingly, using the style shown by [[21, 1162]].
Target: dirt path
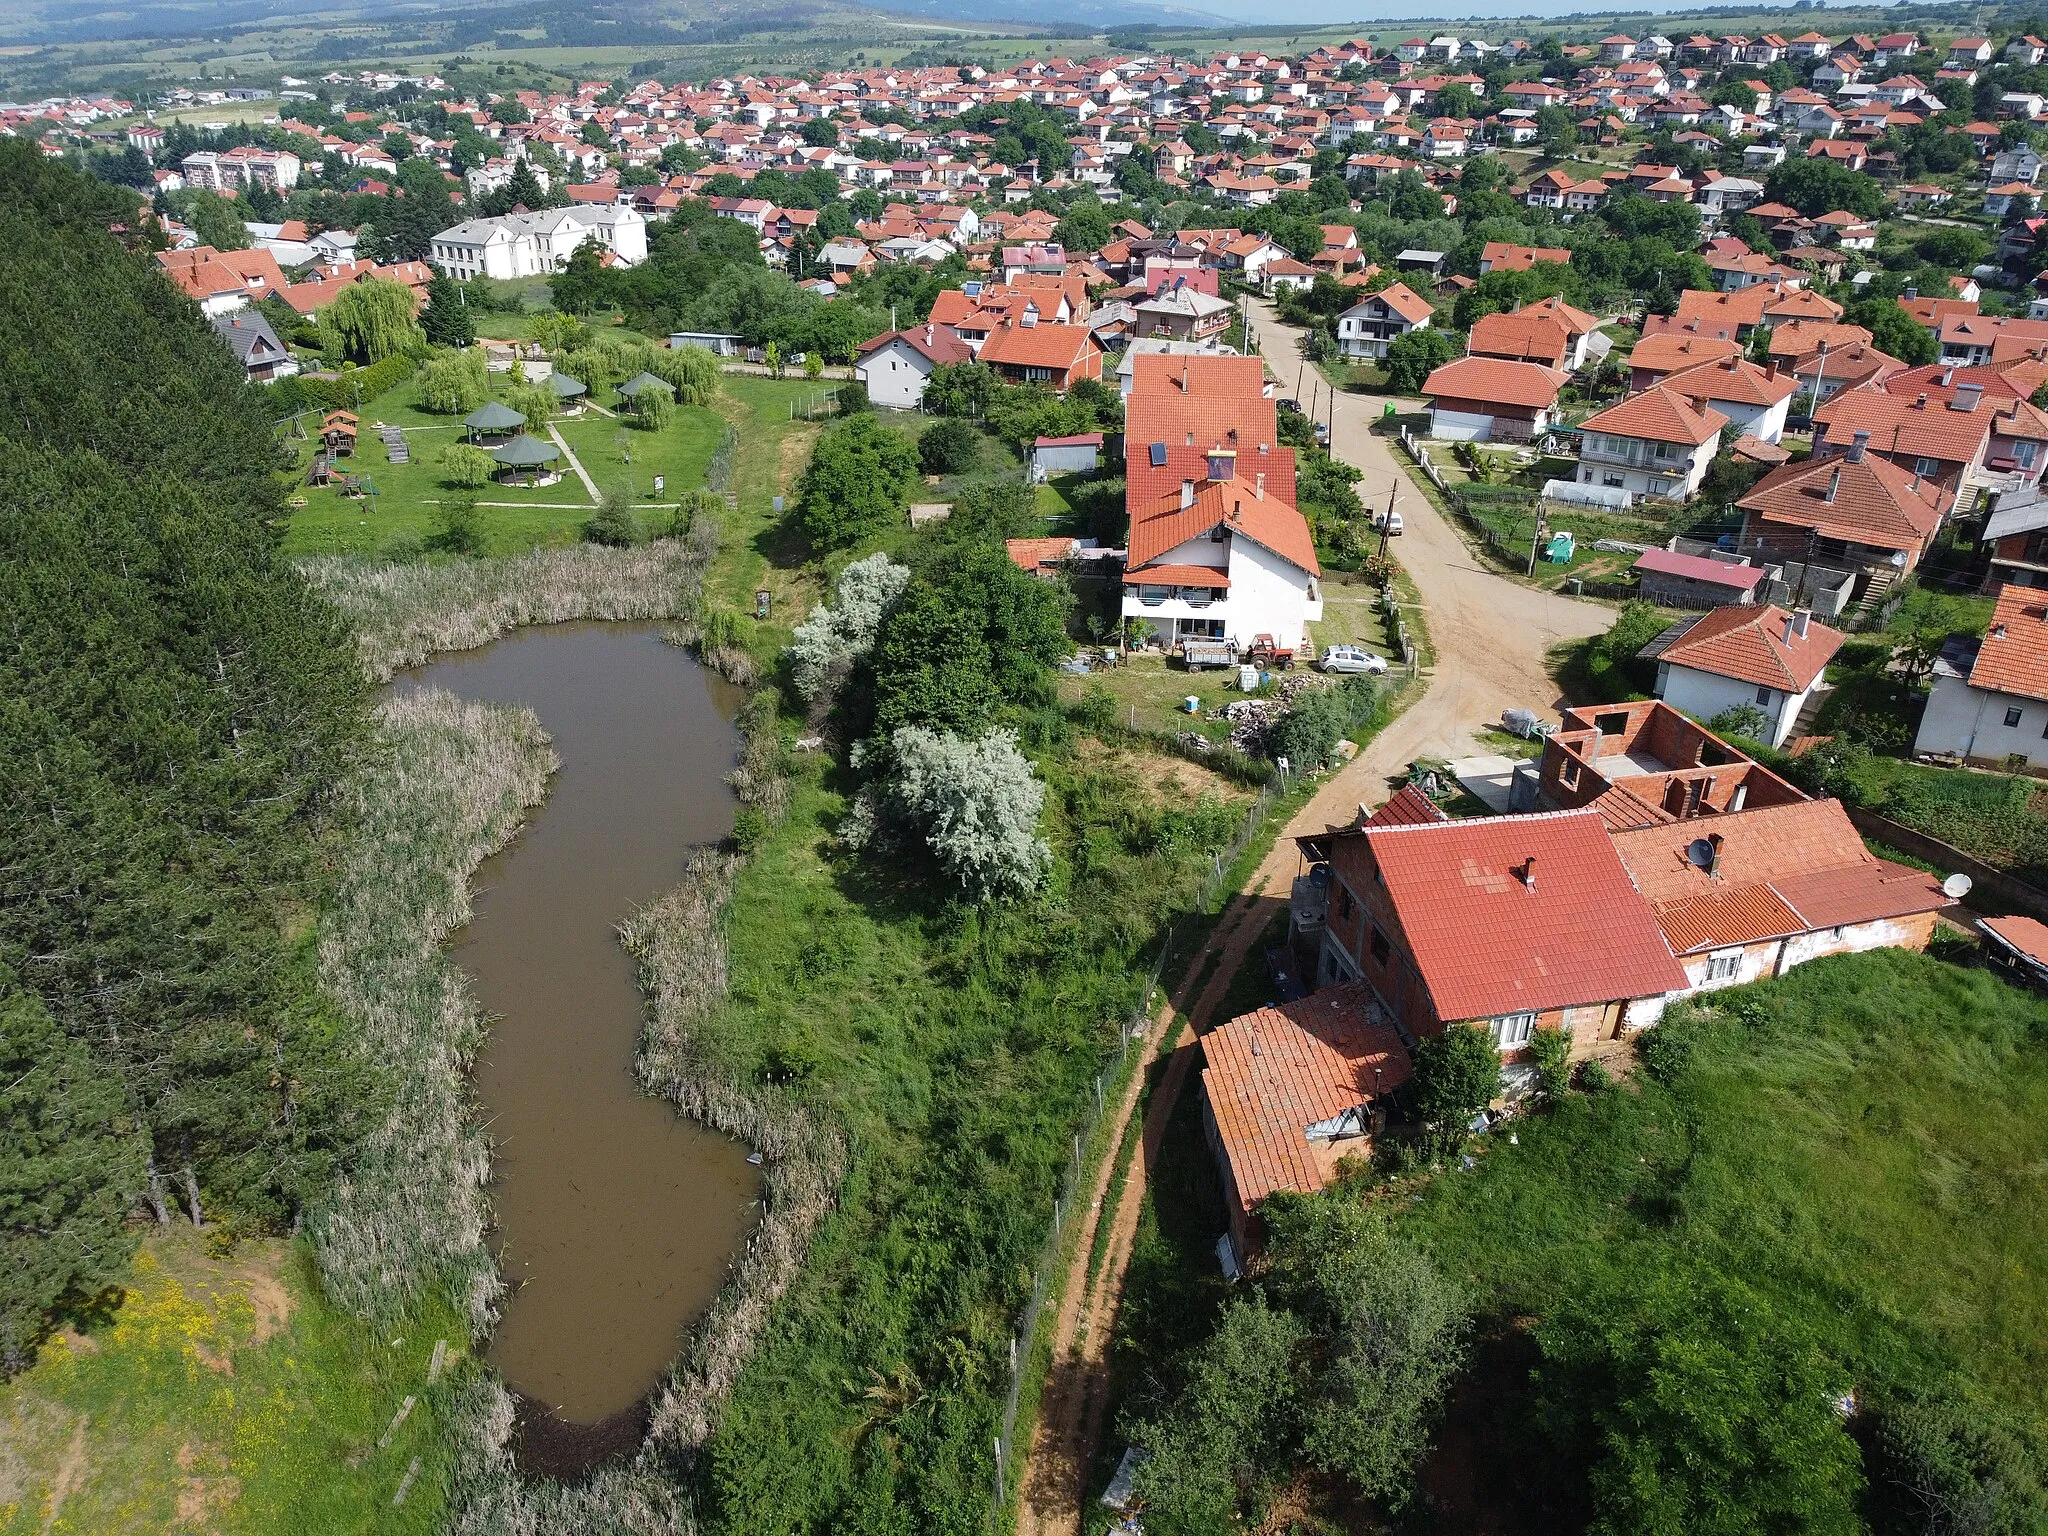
[[1490, 636]]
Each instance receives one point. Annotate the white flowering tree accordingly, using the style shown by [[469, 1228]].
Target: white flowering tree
[[977, 805], [833, 639]]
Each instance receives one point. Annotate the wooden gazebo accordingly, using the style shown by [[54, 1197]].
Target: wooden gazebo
[[528, 457], [493, 421]]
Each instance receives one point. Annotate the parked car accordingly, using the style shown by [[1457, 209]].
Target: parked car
[[1291, 406], [1351, 658], [1391, 521]]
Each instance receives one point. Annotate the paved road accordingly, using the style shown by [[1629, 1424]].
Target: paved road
[[1490, 636]]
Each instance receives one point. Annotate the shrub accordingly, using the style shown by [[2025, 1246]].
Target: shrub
[[1552, 1049], [1413, 357], [614, 524], [853, 398], [454, 383], [1307, 735], [719, 630], [858, 483], [692, 370], [1744, 719], [1666, 1051], [1097, 708], [652, 411], [976, 803], [466, 466], [750, 829], [458, 528], [1457, 1074], [1709, 1412], [1613, 669], [832, 639], [949, 447]]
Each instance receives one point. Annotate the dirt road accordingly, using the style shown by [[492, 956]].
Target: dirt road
[[1490, 636]]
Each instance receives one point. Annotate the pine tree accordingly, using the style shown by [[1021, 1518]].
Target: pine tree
[[446, 318]]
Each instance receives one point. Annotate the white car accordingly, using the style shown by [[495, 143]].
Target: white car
[[1391, 521], [1351, 658]]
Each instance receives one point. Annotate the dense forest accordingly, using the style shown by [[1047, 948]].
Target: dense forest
[[174, 706]]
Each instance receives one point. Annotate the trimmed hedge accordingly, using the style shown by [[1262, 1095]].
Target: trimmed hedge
[[299, 393]]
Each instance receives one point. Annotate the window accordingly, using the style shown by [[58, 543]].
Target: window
[[1926, 466], [1343, 900], [1568, 774], [1512, 1030], [1724, 967], [2023, 454], [1615, 482], [2012, 718], [1380, 948], [1152, 594], [1763, 698]]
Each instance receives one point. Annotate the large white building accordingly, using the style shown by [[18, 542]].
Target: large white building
[[530, 244]]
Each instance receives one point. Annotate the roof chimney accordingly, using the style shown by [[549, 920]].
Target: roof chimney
[[1526, 872], [1791, 628], [1967, 396], [1803, 617], [1921, 403], [1714, 858], [1912, 294], [1834, 485], [1857, 443]]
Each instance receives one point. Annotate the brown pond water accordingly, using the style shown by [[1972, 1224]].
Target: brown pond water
[[615, 1216]]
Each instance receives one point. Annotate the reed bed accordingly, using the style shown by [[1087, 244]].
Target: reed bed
[[449, 787], [404, 613], [682, 956]]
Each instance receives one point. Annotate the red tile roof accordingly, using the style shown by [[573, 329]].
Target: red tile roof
[[1059, 347], [1873, 502], [1734, 379], [1165, 525], [1032, 554], [1500, 256], [1749, 645], [1274, 1073], [1409, 807], [1488, 943], [1667, 351], [1658, 415], [1520, 338], [934, 341], [1492, 379], [2014, 656], [1783, 869], [1177, 576], [1209, 377]]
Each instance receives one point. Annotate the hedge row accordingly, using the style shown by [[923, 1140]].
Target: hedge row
[[300, 393]]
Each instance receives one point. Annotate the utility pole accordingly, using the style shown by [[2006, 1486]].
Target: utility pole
[[1387, 526], [1535, 542]]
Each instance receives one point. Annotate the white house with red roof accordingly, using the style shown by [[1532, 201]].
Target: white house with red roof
[[1657, 443], [897, 365], [1989, 702], [1754, 654]]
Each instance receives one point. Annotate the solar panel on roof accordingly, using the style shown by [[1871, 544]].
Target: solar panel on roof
[[1158, 455]]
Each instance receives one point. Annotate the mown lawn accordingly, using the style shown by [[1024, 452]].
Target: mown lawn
[[1862, 1142], [224, 1395], [408, 497]]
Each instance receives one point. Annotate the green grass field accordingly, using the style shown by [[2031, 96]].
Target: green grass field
[[620, 460], [224, 1395], [1860, 1142]]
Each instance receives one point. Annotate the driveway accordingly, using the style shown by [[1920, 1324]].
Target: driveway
[[1489, 634]]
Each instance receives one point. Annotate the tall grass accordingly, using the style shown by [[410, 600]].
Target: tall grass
[[404, 613], [683, 969], [450, 787]]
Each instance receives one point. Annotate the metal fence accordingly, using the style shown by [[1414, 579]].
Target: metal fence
[[1109, 1082]]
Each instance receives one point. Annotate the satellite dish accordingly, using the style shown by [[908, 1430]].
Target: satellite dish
[[1700, 853], [1956, 887]]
